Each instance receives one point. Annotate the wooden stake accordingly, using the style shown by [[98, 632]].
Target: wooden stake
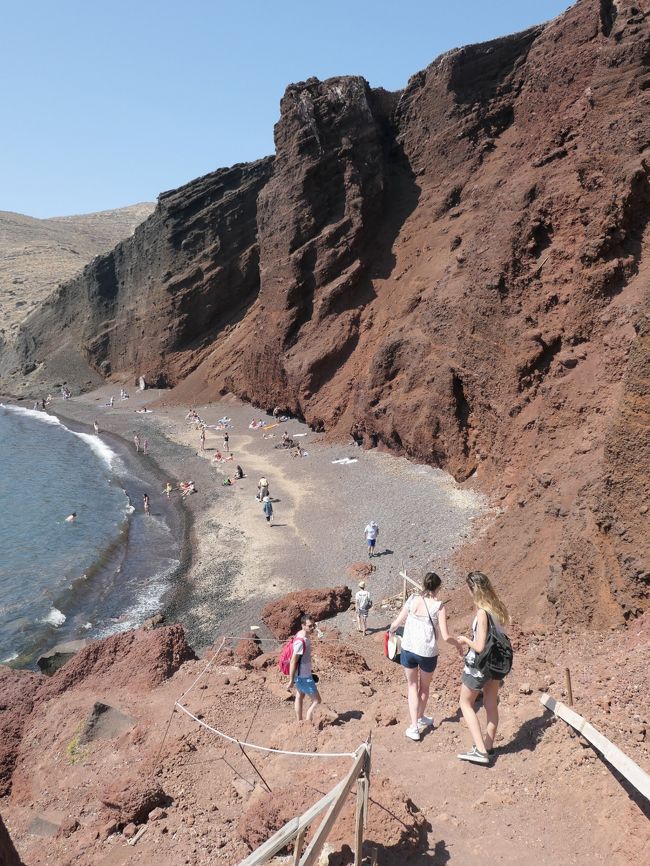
[[569, 690], [358, 835], [297, 848]]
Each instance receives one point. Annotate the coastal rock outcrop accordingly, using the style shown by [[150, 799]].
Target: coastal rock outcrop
[[283, 616], [457, 272]]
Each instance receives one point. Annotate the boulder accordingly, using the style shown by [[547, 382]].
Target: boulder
[[247, 650], [132, 799], [283, 616], [135, 659], [104, 722], [50, 662]]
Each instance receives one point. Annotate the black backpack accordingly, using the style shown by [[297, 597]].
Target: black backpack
[[495, 662]]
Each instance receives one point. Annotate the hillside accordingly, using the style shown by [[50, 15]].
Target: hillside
[[38, 254], [457, 272]]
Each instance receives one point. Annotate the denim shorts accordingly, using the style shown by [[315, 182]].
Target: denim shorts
[[306, 685], [413, 660]]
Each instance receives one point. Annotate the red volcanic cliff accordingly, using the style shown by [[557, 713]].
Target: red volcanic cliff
[[458, 272]]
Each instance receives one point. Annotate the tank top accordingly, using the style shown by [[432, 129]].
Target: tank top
[[419, 632]]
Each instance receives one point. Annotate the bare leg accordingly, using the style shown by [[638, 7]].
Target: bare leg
[[315, 701], [413, 694], [423, 693], [359, 623], [491, 704], [467, 698], [298, 705]]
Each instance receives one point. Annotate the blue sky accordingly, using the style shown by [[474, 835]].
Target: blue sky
[[108, 103]]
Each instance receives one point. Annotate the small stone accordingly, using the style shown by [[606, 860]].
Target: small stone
[[129, 831], [525, 689], [108, 829]]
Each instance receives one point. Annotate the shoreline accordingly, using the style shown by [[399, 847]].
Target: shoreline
[[232, 563]]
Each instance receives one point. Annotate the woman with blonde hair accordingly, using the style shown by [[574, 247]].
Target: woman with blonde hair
[[489, 608]]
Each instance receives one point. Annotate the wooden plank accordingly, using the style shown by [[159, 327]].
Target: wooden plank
[[410, 580], [358, 834], [291, 829], [615, 756], [314, 847]]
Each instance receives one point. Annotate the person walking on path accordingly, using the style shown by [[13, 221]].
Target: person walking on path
[[267, 508], [422, 616], [263, 488], [300, 673], [473, 681], [362, 604], [145, 503], [226, 441], [371, 533], [136, 442], [202, 438]]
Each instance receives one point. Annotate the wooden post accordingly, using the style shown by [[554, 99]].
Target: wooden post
[[297, 848], [314, 848], [569, 690], [358, 834]]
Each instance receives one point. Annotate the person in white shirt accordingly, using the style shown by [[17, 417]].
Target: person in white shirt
[[423, 617], [371, 533], [362, 604]]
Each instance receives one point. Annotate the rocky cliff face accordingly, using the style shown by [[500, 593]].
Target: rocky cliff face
[[455, 272]]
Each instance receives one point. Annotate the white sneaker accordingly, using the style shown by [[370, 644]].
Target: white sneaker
[[425, 722], [412, 733], [475, 756]]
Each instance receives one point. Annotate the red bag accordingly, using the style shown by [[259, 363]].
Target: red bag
[[286, 654]]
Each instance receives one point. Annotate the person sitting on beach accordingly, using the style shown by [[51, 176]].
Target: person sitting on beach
[[218, 457], [239, 472], [187, 487], [298, 451], [71, 517]]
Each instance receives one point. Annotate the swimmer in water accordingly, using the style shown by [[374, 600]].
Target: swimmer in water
[[71, 517]]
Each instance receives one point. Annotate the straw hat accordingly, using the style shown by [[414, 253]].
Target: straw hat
[[362, 584]]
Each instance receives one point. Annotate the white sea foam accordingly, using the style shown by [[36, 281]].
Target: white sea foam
[[100, 448], [9, 658], [37, 414], [55, 618]]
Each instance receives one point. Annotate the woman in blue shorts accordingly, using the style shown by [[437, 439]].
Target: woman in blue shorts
[[421, 616]]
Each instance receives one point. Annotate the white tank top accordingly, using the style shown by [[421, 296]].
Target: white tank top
[[419, 632]]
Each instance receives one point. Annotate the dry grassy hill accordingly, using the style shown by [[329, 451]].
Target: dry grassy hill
[[38, 254]]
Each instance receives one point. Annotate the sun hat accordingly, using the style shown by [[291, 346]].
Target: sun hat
[[362, 584]]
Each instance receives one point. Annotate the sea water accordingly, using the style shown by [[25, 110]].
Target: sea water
[[104, 572]]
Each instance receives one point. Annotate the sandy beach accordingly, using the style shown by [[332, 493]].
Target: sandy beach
[[234, 562]]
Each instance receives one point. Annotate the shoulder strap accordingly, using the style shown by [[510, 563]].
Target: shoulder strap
[[433, 625]]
